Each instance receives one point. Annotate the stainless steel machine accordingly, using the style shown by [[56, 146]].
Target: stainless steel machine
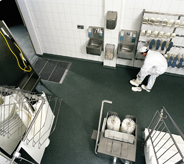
[[117, 143], [15, 68]]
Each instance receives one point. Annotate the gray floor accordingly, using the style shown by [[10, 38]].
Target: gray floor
[[82, 91]]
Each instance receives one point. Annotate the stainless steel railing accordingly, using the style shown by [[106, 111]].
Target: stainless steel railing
[[164, 142]]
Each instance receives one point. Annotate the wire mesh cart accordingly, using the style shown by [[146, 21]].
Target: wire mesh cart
[[116, 143], [26, 122]]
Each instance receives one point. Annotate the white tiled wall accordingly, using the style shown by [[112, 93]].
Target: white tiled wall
[[30, 26], [52, 24], [56, 21]]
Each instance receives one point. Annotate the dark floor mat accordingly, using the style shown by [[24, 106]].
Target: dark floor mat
[[51, 70]]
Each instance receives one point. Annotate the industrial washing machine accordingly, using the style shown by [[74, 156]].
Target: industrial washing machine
[[116, 139], [15, 68]]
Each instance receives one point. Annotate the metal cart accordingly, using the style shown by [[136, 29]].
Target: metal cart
[[113, 144]]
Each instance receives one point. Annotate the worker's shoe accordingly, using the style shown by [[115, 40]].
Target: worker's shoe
[[135, 82], [136, 89], [157, 44], [170, 46], [180, 63], [144, 87], [163, 44], [174, 62], [170, 60], [151, 43]]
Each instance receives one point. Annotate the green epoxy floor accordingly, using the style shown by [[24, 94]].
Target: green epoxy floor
[[82, 91]]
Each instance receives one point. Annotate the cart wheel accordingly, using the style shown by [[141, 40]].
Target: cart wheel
[[125, 161], [114, 161]]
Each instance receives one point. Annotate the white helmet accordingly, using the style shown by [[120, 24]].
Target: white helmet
[[143, 49]]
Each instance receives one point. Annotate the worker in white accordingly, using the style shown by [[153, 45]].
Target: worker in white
[[154, 65]]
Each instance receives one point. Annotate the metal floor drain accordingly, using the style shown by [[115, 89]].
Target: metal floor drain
[[52, 70]]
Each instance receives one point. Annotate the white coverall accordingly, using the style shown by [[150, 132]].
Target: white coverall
[[154, 65]]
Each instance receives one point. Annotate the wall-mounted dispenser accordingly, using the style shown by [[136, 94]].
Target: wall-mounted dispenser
[[128, 37], [89, 32], [101, 34], [121, 36], [126, 46], [95, 43], [111, 19], [133, 38]]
